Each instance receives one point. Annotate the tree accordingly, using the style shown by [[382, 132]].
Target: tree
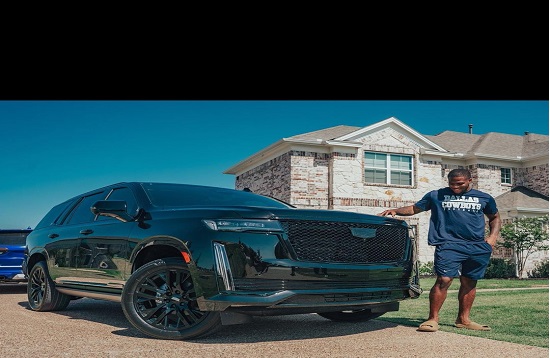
[[525, 236]]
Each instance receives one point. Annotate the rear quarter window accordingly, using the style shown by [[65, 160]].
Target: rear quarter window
[[55, 214]]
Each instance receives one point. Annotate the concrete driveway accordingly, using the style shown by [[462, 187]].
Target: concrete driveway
[[94, 328]]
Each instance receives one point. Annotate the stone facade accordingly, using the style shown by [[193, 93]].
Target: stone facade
[[332, 177], [272, 178], [534, 177]]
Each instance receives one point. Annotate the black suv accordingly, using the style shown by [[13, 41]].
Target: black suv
[[184, 260], [12, 247]]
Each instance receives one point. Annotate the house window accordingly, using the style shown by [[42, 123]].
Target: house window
[[505, 176], [384, 168]]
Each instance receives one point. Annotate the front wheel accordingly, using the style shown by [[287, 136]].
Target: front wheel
[[351, 316], [159, 300], [41, 292]]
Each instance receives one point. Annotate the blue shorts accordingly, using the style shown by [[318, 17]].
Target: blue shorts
[[454, 259]]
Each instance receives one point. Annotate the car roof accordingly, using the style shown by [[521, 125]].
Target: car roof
[[139, 183]]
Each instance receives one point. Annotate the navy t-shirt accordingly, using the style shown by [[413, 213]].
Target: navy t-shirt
[[457, 218]]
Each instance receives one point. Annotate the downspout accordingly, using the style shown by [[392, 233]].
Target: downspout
[[330, 179]]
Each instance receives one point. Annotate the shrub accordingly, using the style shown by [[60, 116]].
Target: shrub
[[525, 236], [497, 268], [540, 270], [426, 268], [500, 268]]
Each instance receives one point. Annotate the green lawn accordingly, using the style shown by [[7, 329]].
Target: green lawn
[[518, 316]]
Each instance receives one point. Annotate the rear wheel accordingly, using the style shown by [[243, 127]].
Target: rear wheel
[[41, 291], [352, 315], [159, 300]]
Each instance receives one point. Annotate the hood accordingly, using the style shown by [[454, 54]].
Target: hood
[[314, 215], [252, 212]]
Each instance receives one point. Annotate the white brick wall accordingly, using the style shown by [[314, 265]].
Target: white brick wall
[[311, 179]]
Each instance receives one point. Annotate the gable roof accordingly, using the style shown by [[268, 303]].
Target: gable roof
[[522, 199], [343, 133], [448, 143], [396, 125]]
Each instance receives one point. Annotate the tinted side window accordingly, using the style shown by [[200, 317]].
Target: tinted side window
[[54, 214], [126, 195], [82, 213], [122, 194]]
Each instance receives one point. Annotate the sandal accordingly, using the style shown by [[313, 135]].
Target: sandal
[[429, 326], [473, 326]]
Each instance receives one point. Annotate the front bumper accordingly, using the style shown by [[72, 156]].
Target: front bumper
[[289, 286], [319, 268]]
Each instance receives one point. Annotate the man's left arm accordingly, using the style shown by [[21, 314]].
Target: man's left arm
[[494, 229]]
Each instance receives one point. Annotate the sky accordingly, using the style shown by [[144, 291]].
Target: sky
[[54, 150]]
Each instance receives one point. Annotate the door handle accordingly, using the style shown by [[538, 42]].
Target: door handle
[[86, 232], [53, 236]]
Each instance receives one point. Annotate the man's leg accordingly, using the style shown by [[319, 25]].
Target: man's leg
[[466, 297], [438, 294], [446, 266]]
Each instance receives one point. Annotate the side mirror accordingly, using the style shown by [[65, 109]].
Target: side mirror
[[113, 208]]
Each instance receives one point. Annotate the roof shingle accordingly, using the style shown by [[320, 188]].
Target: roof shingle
[[522, 197], [492, 143], [327, 133]]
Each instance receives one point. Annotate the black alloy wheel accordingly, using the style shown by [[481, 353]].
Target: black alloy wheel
[[41, 292], [159, 300], [351, 316]]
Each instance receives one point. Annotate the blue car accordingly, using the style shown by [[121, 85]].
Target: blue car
[[12, 254]]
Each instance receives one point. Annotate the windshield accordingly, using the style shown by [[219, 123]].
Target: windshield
[[13, 238], [178, 195]]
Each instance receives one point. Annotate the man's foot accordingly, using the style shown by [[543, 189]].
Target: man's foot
[[473, 326], [428, 326]]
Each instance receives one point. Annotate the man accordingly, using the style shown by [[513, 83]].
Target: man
[[457, 230]]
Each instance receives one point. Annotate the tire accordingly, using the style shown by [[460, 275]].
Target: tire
[[159, 300], [351, 316], [41, 292]]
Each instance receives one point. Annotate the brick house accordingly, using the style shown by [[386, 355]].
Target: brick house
[[389, 164]]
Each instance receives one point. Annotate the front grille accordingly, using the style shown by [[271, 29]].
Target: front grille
[[320, 241]]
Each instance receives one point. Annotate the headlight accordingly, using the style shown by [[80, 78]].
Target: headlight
[[243, 225]]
